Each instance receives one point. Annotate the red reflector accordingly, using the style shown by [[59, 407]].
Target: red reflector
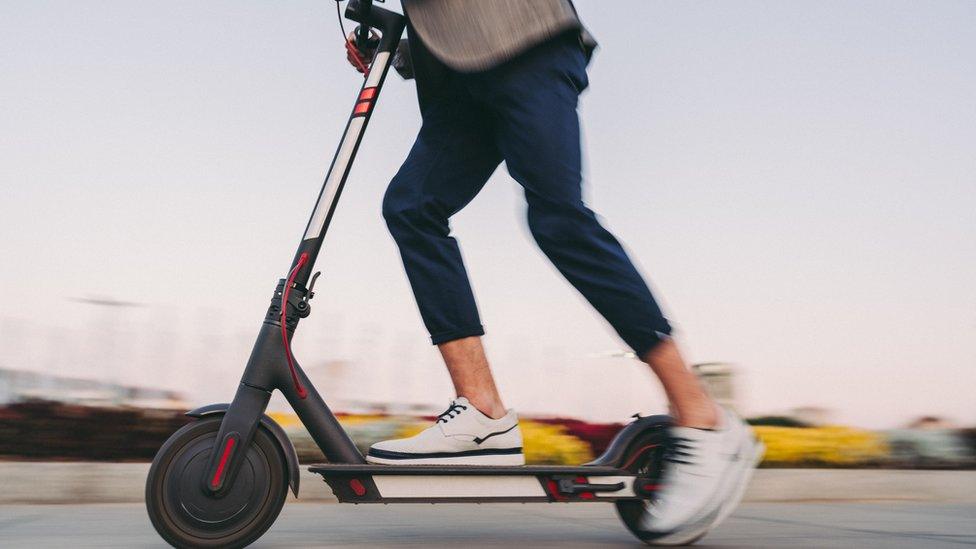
[[367, 93], [357, 487], [362, 108], [584, 495], [215, 481], [553, 489]]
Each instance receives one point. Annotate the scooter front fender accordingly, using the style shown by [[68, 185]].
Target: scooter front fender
[[291, 456]]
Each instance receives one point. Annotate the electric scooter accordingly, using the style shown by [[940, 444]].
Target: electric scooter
[[221, 480]]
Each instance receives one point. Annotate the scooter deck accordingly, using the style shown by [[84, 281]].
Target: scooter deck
[[371, 483], [354, 469]]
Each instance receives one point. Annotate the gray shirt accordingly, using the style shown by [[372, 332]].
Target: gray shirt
[[476, 35]]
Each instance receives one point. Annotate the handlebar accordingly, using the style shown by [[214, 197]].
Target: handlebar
[[389, 23]]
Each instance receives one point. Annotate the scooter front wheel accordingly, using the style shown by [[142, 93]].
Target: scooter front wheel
[[186, 515]]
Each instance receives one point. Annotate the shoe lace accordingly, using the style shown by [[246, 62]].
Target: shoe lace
[[681, 450], [450, 412]]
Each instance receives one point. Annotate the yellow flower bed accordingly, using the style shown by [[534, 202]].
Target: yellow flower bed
[[362, 419], [551, 445], [285, 419], [820, 445], [289, 419]]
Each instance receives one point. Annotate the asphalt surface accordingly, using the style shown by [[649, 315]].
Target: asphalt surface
[[890, 525]]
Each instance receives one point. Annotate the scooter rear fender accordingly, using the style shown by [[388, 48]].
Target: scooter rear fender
[[616, 453]]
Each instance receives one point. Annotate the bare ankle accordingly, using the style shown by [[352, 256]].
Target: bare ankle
[[487, 406], [700, 417], [468, 365], [691, 403]]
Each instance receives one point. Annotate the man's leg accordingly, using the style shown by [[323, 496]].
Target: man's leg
[[453, 157], [537, 132], [712, 451]]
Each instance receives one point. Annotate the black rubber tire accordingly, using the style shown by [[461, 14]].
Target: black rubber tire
[[186, 516], [645, 457]]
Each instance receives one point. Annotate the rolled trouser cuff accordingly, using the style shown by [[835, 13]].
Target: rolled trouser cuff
[[648, 341], [444, 337]]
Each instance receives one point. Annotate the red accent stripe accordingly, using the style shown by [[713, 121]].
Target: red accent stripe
[[367, 93], [362, 108], [637, 454], [215, 482]]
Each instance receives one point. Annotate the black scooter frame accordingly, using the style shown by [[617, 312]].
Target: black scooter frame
[[264, 371], [347, 472]]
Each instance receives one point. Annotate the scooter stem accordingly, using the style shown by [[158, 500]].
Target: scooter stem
[[391, 25], [266, 368]]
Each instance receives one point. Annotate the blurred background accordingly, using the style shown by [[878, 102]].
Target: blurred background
[[796, 180]]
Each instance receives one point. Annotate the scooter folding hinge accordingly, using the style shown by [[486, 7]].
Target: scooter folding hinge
[[298, 297]]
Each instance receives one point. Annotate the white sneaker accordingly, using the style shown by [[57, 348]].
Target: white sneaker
[[705, 471], [731, 494], [462, 435]]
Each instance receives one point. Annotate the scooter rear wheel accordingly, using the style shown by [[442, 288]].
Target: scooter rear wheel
[[186, 515], [645, 458]]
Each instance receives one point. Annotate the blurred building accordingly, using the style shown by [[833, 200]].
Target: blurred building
[[22, 386], [719, 380], [930, 440], [931, 423]]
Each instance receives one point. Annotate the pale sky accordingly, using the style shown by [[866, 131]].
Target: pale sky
[[797, 180]]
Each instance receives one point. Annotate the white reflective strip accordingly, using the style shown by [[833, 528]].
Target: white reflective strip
[[466, 486], [335, 176], [331, 187], [626, 491], [376, 72]]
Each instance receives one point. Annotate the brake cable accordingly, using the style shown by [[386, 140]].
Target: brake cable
[[302, 260], [350, 46]]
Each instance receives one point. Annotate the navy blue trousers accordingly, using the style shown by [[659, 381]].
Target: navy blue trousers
[[522, 112]]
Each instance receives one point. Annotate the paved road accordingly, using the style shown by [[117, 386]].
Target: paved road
[[755, 525]]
